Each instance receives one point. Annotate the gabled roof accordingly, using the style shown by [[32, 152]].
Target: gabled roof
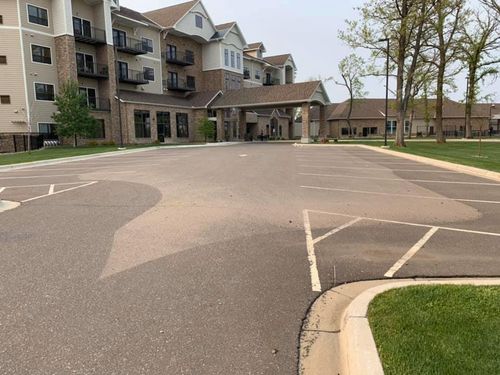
[[270, 113], [254, 46], [133, 15], [224, 29], [193, 100], [169, 16], [225, 26], [272, 96], [278, 60]]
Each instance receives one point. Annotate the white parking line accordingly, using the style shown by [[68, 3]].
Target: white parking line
[[411, 253], [59, 192], [51, 189], [399, 179], [40, 185], [2, 189], [311, 256], [400, 195], [336, 230], [38, 176], [381, 169]]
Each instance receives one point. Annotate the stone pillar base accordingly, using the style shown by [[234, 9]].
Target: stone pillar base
[[306, 140]]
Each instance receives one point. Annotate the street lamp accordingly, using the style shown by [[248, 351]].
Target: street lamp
[[466, 104], [386, 90]]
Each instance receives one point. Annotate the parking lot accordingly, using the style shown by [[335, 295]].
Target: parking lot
[[205, 261]]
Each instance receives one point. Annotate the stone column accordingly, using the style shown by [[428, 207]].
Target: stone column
[[66, 58], [242, 124], [323, 126], [306, 123], [220, 126]]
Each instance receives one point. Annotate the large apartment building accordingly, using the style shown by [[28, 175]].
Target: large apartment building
[[148, 77]]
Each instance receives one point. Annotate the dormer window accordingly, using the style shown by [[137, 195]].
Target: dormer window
[[199, 21]]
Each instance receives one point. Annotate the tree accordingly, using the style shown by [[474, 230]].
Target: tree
[[447, 18], [206, 128], [73, 118], [479, 53], [404, 23], [493, 5], [352, 69]]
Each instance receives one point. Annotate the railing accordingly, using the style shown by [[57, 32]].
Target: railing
[[91, 35], [98, 104], [93, 70], [179, 58], [271, 81], [132, 76], [179, 85], [130, 45]]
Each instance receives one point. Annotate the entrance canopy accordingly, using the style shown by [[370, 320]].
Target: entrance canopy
[[279, 96]]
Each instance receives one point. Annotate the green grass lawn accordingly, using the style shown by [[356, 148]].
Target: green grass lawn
[[56, 153], [465, 153], [438, 330]]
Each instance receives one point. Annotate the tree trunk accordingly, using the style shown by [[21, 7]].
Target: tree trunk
[[349, 117], [75, 141], [468, 105], [412, 116]]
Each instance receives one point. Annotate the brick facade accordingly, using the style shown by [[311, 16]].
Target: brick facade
[[65, 57]]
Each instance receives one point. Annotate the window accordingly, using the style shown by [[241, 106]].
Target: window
[[171, 52], [47, 130], [90, 96], [119, 38], [100, 132], [226, 57], [163, 123], [3, 59], [84, 63], [391, 126], [191, 82], [182, 125], [189, 56], [199, 21], [246, 73], [4, 99], [44, 91], [1, 20], [147, 45], [122, 70], [238, 61], [38, 15], [41, 54], [407, 126], [149, 73], [173, 80], [82, 27], [142, 122], [232, 59], [257, 74]]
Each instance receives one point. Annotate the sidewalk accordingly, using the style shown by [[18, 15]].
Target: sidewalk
[[336, 337]]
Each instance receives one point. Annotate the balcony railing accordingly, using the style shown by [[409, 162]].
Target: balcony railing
[[131, 46], [99, 71], [132, 76], [91, 35], [271, 81], [98, 104], [179, 85], [179, 58]]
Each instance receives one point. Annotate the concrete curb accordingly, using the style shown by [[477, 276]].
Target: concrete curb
[[359, 352], [336, 337], [477, 172], [11, 167]]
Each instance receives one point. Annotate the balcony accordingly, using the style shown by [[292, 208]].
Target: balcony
[[133, 77], [131, 46], [98, 71], [246, 73], [179, 85], [98, 104], [179, 58], [271, 81], [90, 35]]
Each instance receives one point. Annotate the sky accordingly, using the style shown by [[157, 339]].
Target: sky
[[306, 29]]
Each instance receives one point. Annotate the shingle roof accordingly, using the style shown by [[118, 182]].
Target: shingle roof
[[169, 16], [225, 26], [254, 45], [129, 13], [194, 100], [269, 96], [277, 60], [375, 109]]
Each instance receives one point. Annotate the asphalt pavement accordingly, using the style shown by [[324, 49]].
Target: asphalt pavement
[[205, 261]]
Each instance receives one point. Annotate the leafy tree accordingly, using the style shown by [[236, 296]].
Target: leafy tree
[[479, 53], [404, 22], [73, 118], [352, 69], [206, 128]]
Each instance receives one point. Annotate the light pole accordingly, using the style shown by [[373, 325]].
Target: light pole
[[386, 90], [466, 104], [490, 126]]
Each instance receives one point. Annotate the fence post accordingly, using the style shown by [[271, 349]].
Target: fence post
[[14, 139]]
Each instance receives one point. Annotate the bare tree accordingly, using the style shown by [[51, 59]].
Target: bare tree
[[404, 22], [352, 68], [494, 5], [479, 53]]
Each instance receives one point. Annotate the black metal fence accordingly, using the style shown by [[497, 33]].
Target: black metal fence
[[20, 142]]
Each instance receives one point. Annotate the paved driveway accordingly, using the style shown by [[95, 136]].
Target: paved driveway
[[205, 261]]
